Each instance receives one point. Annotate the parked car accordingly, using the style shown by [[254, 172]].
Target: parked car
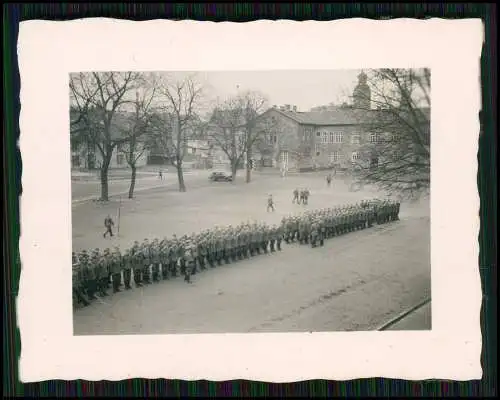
[[220, 177]]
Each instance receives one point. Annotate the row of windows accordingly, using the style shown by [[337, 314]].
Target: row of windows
[[338, 137], [336, 156]]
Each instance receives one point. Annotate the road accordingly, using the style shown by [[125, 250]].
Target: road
[[86, 189]]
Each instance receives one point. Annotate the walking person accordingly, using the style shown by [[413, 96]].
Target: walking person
[[329, 179], [160, 175], [108, 223], [295, 196], [270, 203]]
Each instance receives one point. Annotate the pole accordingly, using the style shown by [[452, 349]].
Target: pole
[[119, 210]]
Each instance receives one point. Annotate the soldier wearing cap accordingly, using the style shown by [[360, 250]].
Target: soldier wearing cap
[[155, 259], [190, 259], [146, 261], [137, 262], [163, 257], [88, 274], [127, 264], [116, 264], [101, 272], [314, 233], [174, 255], [78, 282]]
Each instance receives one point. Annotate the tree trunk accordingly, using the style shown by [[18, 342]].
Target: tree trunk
[[132, 182], [104, 182], [180, 176], [234, 169], [249, 167]]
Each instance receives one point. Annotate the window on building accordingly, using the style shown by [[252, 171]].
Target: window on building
[[324, 137], [354, 156], [332, 137], [120, 159], [317, 149], [334, 156], [339, 137], [375, 137], [355, 138], [318, 134]]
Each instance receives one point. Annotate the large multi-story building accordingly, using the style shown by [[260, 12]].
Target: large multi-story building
[[337, 137]]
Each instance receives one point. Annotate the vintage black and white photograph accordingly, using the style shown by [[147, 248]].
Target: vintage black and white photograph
[[250, 201]]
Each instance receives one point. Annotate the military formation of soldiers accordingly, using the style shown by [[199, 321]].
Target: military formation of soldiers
[[313, 227], [96, 272]]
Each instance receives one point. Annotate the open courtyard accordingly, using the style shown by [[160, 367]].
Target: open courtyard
[[355, 282]]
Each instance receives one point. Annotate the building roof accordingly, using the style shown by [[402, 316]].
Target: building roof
[[339, 116]]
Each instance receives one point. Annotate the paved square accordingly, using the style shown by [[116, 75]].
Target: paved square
[[353, 283]]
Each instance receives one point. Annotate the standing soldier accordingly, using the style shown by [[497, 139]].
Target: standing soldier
[[155, 259], [272, 238], [190, 260], [174, 255], [101, 270], [279, 236], [322, 230], [329, 179], [314, 233], [301, 199], [306, 196], [146, 261], [137, 261], [88, 274], [227, 247], [116, 269], [127, 268], [295, 196], [78, 282], [163, 255]]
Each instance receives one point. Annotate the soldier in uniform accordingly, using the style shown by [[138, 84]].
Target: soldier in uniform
[[174, 255], [88, 274], [279, 236], [78, 282], [146, 261], [202, 252], [314, 233], [116, 269], [100, 264], [322, 231], [137, 262], [127, 268], [296, 196], [155, 259], [190, 259], [272, 238], [306, 196]]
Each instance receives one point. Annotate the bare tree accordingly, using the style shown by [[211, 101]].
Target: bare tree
[[237, 127], [226, 132], [396, 153], [138, 132], [176, 119], [98, 97]]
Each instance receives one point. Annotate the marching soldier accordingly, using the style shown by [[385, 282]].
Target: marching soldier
[[296, 196]]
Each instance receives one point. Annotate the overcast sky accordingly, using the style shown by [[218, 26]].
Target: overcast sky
[[305, 89]]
